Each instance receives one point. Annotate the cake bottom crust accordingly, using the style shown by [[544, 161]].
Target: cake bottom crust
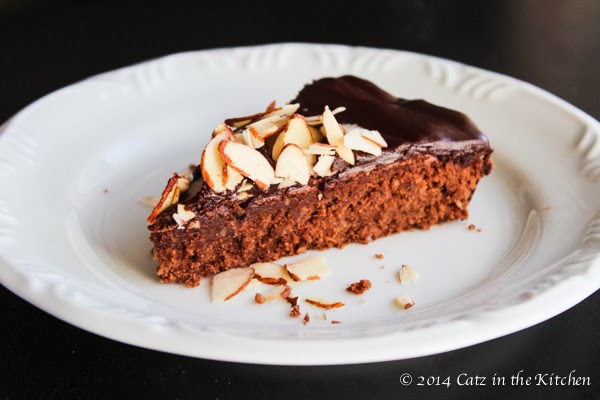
[[417, 192]]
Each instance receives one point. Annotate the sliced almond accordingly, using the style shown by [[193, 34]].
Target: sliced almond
[[182, 216], [248, 162], [311, 159], [375, 137], [267, 127], [316, 134], [243, 196], [333, 130], [407, 275], [335, 136], [320, 149], [283, 110], [280, 292], [213, 168], [355, 140], [345, 154], [312, 268], [323, 166], [286, 183], [318, 119], [404, 302], [271, 273], [251, 140], [220, 128], [227, 284], [239, 122], [292, 164], [233, 178], [295, 132], [245, 186], [326, 304], [170, 195]]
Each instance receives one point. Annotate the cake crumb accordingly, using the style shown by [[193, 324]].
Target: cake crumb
[[335, 322], [382, 267], [472, 227], [259, 298], [105, 190], [379, 256], [359, 287], [295, 313], [293, 300], [306, 319]]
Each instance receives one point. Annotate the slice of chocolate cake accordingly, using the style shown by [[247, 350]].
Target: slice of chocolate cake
[[344, 162]]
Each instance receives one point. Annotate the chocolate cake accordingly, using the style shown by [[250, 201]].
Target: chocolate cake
[[344, 162]]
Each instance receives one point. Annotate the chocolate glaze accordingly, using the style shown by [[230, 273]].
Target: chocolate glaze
[[408, 126], [398, 120]]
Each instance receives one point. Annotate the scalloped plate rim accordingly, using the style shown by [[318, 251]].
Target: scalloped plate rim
[[486, 319]]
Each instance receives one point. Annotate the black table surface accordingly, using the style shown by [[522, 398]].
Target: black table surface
[[46, 45]]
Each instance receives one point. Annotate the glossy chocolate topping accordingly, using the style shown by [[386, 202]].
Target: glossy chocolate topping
[[398, 120]]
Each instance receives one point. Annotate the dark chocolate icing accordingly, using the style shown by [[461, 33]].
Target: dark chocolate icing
[[408, 126], [398, 120]]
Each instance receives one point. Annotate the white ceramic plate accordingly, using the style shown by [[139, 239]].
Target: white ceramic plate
[[73, 239]]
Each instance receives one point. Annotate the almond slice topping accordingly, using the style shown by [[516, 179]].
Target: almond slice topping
[[297, 132], [320, 149], [375, 137], [355, 140], [248, 162], [213, 168], [170, 195], [292, 164], [227, 284], [335, 136], [182, 216], [323, 166], [283, 110]]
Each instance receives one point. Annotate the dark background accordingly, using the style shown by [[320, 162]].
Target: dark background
[[47, 45]]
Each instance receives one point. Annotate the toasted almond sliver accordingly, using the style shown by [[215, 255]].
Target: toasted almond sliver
[[270, 273], [328, 305], [407, 275], [312, 268], [227, 284], [404, 302], [323, 166]]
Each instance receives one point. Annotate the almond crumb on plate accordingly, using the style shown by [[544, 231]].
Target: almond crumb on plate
[[379, 256], [404, 302], [407, 275], [335, 322]]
